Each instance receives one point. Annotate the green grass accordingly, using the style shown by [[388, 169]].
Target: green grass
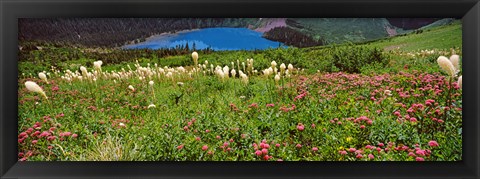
[[443, 37]]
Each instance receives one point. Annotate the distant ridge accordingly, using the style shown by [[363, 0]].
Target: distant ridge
[[115, 32]]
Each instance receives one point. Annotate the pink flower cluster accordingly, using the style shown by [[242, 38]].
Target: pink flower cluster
[[261, 150], [286, 109], [34, 135]]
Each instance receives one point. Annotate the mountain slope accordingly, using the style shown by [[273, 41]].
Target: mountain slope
[[441, 37], [114, 32]]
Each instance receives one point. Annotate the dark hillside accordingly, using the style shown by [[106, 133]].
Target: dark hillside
[[111, 32], [411, 23], [292, 37]]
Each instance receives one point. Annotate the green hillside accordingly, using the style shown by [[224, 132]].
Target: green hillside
[[340, 30], [442, 37]]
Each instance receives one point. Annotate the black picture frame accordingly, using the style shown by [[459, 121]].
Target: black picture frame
[[11, 10]]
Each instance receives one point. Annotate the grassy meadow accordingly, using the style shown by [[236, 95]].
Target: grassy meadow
[[384, 100]]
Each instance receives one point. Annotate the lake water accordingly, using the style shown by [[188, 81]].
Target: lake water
[[215, 38]]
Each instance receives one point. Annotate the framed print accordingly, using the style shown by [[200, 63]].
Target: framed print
[[240, 89]]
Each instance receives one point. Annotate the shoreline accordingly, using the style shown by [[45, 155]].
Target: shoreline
[[157, 36], [172, 34]]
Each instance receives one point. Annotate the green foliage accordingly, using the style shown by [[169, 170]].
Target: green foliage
[[352, 58]]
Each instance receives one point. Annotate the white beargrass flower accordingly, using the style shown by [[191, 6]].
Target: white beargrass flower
[[151, 106], [290, 67], [121, 124], [220, 74], [446, 65], [244, 78], [265, 72], [277, 77], [84, 70], [150, 83], [273, 64], [42, 76], [455, 59], [268, 71], [233, 72], [181, 69], [33, 87], [195, 58], [282, 66], [169, 74], [387, 92], [98, 65], [131, 87], [460, 81], [226, 70]]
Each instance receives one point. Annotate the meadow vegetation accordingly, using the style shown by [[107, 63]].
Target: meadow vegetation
[[397, 99]]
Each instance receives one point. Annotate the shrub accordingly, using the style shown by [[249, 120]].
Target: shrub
[[352, 58]]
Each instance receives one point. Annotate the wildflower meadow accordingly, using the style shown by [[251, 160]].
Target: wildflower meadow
[[354, 102]]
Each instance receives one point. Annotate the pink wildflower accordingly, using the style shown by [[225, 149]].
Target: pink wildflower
[[419, 159], [359, 156], [205, 147], [298, 146], [413, 119], [44, 134], [180, 147], [420, 152], [433, 143], [300, 127], [265, 151]]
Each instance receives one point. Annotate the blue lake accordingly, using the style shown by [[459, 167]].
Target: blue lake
[[216, 38]]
